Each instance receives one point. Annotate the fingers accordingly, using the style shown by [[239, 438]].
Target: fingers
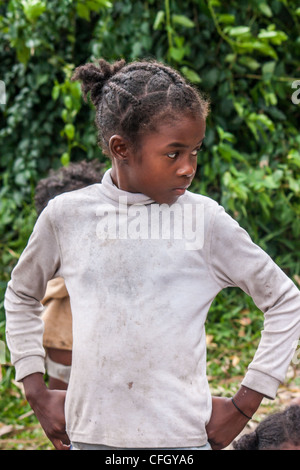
[[60, 440], [59, 445], [62, 443]]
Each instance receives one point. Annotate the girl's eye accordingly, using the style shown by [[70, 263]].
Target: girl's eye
[[196, 151], [172, 155], [175, 154]]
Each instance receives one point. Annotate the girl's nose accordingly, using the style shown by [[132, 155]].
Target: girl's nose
[[187, 168]]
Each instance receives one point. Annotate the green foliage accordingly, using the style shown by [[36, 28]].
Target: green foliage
[[243, 54]]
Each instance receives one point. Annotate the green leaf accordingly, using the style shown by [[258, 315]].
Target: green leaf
[[159, 19], [55, 92], [225, 135], [258, 46], [294, 157], [294, 184], [265, 9], [237, 31], [95, 5], [83, 11], [179, 41], [64, 115], [276, 37], [191, 75], [23, 53], [84, 8], [183, 21], [226, 19], [177, 54], [68, 102], [249, 62], [230, 58], [65, 159], [33, 8], [69, 131], [257, 123], [269, 68]]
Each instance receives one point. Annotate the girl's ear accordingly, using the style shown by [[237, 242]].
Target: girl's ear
[[119, 148]]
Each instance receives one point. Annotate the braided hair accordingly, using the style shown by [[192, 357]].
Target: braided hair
[[131, 99], [274, 431]]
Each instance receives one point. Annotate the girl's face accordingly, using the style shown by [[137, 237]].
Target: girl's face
[[165, 163]]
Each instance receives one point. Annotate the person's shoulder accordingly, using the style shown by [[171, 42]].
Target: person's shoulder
[[77, 196], [72, 203], [194, 198]]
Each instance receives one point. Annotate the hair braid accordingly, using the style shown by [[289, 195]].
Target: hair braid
[[131, 99], [157, 67], [94, 78]]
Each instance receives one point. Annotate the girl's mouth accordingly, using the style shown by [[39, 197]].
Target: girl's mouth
[[179, 191]]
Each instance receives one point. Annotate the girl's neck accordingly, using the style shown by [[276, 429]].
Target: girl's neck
[[114, 175], [118, 176], [117, 194]]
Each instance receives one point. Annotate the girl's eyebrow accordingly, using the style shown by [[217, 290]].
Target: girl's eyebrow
[[180, 145]]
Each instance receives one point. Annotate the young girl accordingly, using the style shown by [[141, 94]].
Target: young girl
[[140, 289]]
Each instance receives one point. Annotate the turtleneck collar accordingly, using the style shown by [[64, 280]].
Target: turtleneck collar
[[114, 193]]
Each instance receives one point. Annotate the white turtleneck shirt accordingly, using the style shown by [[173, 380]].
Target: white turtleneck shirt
[[141, 278]]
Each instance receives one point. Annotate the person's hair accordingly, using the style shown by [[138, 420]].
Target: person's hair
[[74, 176], [131, 99], [275, 430]]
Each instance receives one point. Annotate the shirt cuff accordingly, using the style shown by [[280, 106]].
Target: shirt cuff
[[261, 383], [29, 365]]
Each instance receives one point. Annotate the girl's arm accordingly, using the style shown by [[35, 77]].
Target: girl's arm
[[227, 421], [48, 406], [39, 262], [236, 261]]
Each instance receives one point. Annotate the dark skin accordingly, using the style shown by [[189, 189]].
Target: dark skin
[[162, 168], [164, 163], [48, 406]]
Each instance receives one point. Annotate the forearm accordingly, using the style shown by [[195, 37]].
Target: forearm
[[34, 387], [228, 420], [23, 321], [248, 400]]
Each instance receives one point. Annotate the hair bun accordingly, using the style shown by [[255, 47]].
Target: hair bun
[[94, 77]]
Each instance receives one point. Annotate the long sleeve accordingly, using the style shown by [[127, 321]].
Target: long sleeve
[[38, 263], [237, 261]]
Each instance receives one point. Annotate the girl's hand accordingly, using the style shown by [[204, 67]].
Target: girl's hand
[[48, 406], [225, 424], [226, 421]]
